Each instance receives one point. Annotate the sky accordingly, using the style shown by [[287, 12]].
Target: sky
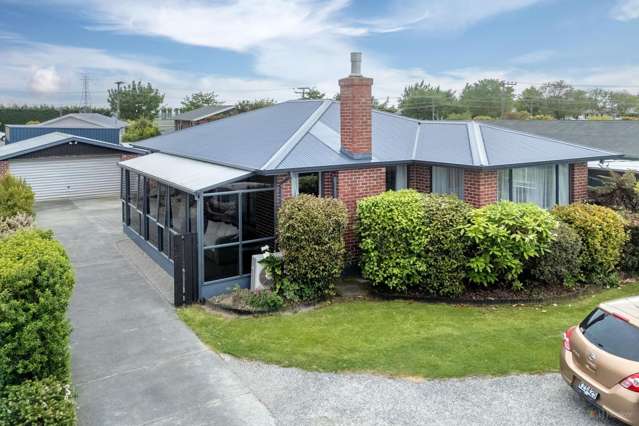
[[249, 49]]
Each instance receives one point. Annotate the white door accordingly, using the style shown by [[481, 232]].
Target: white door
[[70, 177]]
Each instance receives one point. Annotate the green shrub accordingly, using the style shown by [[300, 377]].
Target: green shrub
[[561, 264], [445, 249], [16, 197], [629, 262], [36, 281], [504, 236], [311, 238], [38, 402], [265, 299], [9, 225], [602, 233], [393, 233]]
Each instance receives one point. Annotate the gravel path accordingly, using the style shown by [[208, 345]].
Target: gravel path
[[297, 397]]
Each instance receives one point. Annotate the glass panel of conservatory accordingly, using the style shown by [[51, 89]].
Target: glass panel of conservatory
[[258, 215], [192, 214], [535, 185], [221, 262], [177, 210], [221, 221], [564, 183], [135, 220], [248, 250], [133, 188], [152, 191], [162, 204], [153, 233]]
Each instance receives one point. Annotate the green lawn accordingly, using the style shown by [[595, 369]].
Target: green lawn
[[403, 338]]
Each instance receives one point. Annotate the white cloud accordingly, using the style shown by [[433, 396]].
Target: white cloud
[[45, 80], [534, 57], [625, 10]]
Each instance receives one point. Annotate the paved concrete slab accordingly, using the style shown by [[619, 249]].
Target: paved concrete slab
[[134, 361]]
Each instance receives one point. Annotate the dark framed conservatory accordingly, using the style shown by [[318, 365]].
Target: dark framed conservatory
[[231, 222]]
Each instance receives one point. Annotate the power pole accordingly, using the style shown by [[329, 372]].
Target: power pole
[[302, 91], [505, 84], [85, 103], [117, 85]]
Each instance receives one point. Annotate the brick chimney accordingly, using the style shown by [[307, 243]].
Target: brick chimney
[[355, 112]]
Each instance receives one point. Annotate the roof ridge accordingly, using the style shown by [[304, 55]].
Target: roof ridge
[[477, 144], [279, 156], [505, 129], [417, 132]]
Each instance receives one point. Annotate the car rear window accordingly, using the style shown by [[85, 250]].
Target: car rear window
[[612, 334]]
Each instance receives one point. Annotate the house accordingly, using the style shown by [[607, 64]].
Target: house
[[201, 115], [221, 183], [59, 165], [87, 125], [615, 135]]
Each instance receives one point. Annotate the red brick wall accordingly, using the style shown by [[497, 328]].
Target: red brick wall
[[480, 187], [419, 178], [356, 103], [4, 167], [578, 182], [327, 183], [282, 190], [352, 186]]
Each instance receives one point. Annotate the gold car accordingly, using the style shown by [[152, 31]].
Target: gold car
[[600, 358]]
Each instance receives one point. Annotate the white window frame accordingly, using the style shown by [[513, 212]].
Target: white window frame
[[295, 183]]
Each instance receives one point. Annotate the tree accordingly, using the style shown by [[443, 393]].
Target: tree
[[385, 106], [312, 93], [530, 100], [247, 105], [136, 100], [487, 97], [140, 129], [624, 103], [423, 101], [561, 100], [198, 100]]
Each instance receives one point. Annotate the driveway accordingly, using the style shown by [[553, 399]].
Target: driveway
[[134, 361]]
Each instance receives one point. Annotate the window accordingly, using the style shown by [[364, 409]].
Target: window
[[221, 220], [308, 183], [611, 334], [545, 186], [258, 215], [396, 177], [448, 180]]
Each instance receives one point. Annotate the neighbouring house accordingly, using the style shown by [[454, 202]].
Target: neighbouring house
[[59, 165], [201, 115], [87, 125], [221, 183], [615, 135]]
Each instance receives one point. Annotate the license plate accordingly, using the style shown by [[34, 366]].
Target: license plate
[[588, 391]]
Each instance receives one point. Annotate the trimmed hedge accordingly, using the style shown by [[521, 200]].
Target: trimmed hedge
[[413, 242], [38, 402], [505, 236], [36, 281], [602, 232], [311, 237], [393, 233], [561, 264], [16, 197]]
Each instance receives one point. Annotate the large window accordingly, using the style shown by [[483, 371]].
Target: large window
[[448, 180], [545, 186], [306, 183], [236, 225], [396, 177]]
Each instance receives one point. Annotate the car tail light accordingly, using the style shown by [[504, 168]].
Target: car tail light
[[567, 335], [631, 383]]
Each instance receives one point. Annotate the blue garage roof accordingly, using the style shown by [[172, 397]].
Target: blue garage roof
[[297, 135]]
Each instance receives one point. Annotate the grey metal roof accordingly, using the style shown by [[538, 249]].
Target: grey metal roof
[[203, 112], [305, 135], [57, 138], [188, 175], [99, 120], [615, 135]]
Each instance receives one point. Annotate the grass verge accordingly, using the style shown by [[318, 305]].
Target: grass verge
[[403, 338]]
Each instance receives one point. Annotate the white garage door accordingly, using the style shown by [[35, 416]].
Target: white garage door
[[70, 177]]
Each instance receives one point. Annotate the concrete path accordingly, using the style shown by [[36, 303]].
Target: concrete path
[[134, 361]]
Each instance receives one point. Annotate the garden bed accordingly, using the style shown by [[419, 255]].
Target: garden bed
[[499, 296]]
